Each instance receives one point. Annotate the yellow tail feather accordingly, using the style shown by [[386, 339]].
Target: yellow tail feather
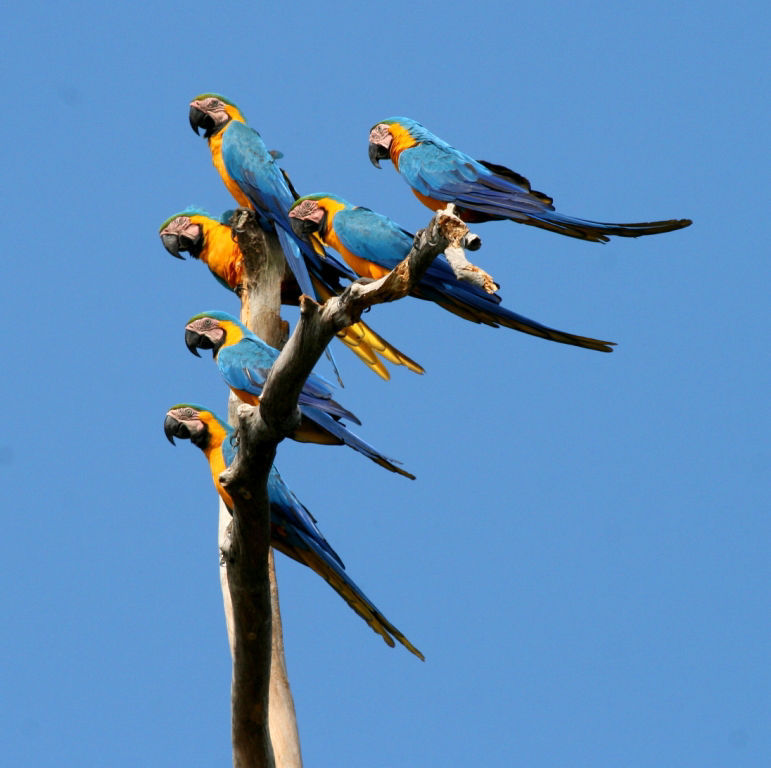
[[367, 344]]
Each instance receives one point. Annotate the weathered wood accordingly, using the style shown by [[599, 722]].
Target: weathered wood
[[260, 429], [245, 551], [263, 716], [318, 324]]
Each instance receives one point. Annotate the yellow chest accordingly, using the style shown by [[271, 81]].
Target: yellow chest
[[215, 145], [223, 256], [217, 467]]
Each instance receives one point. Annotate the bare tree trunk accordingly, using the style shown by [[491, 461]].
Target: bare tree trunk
[[264, 268], [251, 600]]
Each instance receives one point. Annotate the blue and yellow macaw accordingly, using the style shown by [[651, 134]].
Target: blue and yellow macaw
[[251, 175], [293, 529], [372, 245], [205, 238], [244, 360], [439, 174], [210, 240]]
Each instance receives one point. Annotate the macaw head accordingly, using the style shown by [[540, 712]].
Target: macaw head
[[184, 231], [308, 214], [191, 422], [389, 137], [212, 112], [213, 330]]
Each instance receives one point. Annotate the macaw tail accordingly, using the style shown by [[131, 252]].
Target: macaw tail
[[337, 433], [317, 560], [367, 345], [600, 231], [472, 303], [505, 194]]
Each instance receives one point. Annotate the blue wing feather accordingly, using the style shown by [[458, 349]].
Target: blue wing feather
[[257, 174], [245, 366], [294, 532], [376, 238], [486, 191]]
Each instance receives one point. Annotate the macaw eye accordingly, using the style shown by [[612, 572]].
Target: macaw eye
[[189, 413], [212, 103]]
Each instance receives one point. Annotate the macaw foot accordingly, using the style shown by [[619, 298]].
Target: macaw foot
[[239, 219]]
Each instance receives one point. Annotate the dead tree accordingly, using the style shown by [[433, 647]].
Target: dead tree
[[264, 726]]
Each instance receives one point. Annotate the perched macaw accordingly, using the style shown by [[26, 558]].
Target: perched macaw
[[194, 231], [251, 174], [210, 240], [372, 245], [244, 360], [293, 529], [439, 174]]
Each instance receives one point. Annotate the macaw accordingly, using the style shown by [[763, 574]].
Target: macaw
[[244, 360], [250, 174], [210, 240], [439, 174], [293, 529], [372, 245]]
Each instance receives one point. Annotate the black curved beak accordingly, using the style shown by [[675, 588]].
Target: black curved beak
[[303, 227], [194, 340], [199, 119], [377, 153], [171, 244], [170, 426]]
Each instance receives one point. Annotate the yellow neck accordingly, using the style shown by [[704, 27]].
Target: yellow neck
[[215, 145], [401, 140], [213, 453], [233, 333], [220, 252]]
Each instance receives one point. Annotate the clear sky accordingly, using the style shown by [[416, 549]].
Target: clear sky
[[583, 558]]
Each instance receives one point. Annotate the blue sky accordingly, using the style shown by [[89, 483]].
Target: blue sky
[[584, 555]]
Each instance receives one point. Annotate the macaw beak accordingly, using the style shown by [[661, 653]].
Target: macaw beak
[[171, 244], [377, 153], [199, 119], [170, 427], [303, 227], [194, 340]]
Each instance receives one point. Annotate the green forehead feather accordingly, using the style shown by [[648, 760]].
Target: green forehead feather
[[214, 96], [315, 196], [194, 406], [215, 314], [199, 409], [191, 210]]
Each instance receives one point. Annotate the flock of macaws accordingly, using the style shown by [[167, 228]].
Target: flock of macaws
[[370, 245]]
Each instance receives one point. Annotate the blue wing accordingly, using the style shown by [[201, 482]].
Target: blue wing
[[288, 512], [372, 236], [442, 172], [245, 366], [486, 191], [295, 533], [250, 164]]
